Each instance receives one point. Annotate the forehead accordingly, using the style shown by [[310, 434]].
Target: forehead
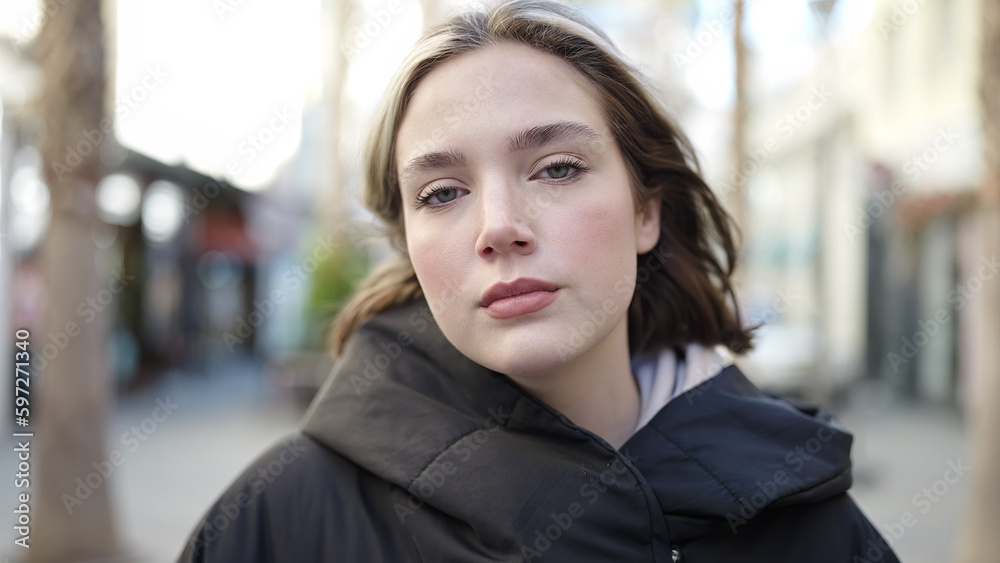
[[494, 92]]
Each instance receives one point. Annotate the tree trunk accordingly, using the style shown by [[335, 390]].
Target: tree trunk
[[979, 540], [332, 204], [72, 511], [738, 143]]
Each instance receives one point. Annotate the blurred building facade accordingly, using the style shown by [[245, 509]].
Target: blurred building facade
[[862, 175], [919, 117], [194, 263]]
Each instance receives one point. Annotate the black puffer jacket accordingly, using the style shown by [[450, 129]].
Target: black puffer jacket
[[411, 452]]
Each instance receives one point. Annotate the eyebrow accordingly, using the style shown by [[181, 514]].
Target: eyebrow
[[433, 161], [544, 134], [531, 138]]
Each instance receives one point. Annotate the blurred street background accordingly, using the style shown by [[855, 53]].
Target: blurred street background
[[179, 220]]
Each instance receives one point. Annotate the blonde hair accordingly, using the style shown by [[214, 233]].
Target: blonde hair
[[684, 298]]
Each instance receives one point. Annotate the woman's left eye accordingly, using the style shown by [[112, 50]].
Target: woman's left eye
[[564, 170], [558, 171]]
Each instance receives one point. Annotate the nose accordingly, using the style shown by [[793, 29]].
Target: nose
[[505, 228]]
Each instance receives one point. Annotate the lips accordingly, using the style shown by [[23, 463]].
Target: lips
[[520, 297]]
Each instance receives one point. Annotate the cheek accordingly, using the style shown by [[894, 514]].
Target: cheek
[[437, 260], [597, 244], [598, 233]]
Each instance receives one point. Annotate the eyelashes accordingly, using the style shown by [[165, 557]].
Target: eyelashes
[[444, 195], [576, 168], [424, 200]]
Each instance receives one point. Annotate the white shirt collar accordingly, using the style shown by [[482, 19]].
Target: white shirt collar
[[666, 376]]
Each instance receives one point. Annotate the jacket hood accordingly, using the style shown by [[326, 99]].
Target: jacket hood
[[405, 405]]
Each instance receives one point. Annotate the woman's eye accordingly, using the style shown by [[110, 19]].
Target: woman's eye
[[563, 170], [438, 196], [558, 171], [444, 195]]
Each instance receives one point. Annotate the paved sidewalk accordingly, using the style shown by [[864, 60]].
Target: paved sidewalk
[[910, 477], [168, 483], [175, 467]]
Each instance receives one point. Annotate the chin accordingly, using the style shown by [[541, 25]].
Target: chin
[[536, 357], [529, 347], [525, 366]]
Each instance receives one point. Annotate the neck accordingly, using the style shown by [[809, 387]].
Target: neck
[[596, 391]]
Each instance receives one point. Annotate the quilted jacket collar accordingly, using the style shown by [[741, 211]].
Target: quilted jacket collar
[[404, 404]]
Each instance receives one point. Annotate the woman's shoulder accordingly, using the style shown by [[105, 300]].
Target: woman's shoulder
[[297, 501]]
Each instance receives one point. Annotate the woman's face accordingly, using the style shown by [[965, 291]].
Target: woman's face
[[519, 217]]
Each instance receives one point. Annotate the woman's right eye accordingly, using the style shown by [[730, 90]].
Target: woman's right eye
[[445, 195], [438, 196]]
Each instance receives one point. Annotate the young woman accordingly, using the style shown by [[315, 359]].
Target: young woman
[[539, 374]]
